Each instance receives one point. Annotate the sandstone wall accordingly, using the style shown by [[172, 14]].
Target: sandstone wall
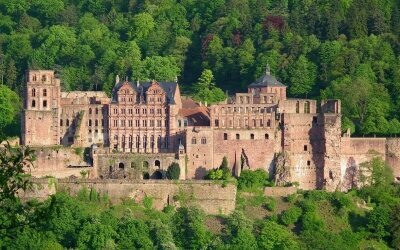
[[355, 151], [279, 191], [134, 166], [211, 197], [59, 162], [393, 156]]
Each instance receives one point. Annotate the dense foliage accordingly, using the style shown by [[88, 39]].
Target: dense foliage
[[173, 171], [347, 49]]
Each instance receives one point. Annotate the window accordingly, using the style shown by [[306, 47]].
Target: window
[[297, 107], [96, 123], [44, 104], [137, 111], [185, 122], [123, 123], [90, 111], [159, 111], [137, 123], [97, 111], [225, 136], [67, 123], [216, 123], [115, 123], [144, 111], [254, 123], [115, 111], [130, 123], [34, 78], [203, 140], [269, 123], [130, 111], [152, 111], [158, 123], [115, 137], [123, 111], [305, 147], [194, 140], [237, 137], [33, 103], [144, 123], [44, 92], [179, 123], [61, 122], [33, 92], [44, 78], [308, 163], [266, 136], [90, 122], [307, 107], [314, 119], [151, 123], [252, 136]]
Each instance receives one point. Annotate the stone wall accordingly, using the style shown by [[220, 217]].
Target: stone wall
[[212, 197], [134, 166], [279, 191], [393, 156], [59, 162]]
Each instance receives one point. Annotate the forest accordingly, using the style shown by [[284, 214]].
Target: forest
[[367, 217], [346, 49]]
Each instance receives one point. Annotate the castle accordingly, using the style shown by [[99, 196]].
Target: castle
[[146, 126]]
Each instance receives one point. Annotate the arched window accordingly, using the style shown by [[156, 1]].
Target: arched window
[[237, 136], [33, 103], [297, 107], [34, 78], [33, 92], [252, 136], [67, 123], [266, 136], [97, 111], [307, 107], [203, 140], [90, 122], [194, 140], [137, 141], [157, 163], [133, 165], [121, 165], [44, 78], [61, 122], [146, 165], [44, 92]]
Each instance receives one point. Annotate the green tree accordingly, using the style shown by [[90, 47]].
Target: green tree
[[206, 90], [189, 229], [133, 234], [302, 76], [238, 233], [173, 171], [9, 108], [275, 236], [95, 235]]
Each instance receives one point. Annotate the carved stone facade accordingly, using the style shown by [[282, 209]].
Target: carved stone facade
[[146, 126]]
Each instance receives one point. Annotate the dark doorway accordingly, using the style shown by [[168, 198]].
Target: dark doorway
[[121, 165], [157, 163], [157, 175]]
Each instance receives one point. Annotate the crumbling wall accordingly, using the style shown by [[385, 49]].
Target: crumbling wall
[[355, 151], [59, 162], [212, 197], [393, 156]]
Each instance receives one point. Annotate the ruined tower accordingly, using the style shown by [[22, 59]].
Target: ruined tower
[[41, 115], [332, 138]]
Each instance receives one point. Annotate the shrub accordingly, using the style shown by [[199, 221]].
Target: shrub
[[270, 204], [253, 179], [290, 216], [173, 171], [147, 202], [214, 174]]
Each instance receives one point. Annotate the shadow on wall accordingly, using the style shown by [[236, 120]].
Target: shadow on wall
[[200, 173]]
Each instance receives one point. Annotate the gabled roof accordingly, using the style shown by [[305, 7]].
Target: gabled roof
[[141, 88], [267, 80]]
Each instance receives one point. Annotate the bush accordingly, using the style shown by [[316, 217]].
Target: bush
[[253, 179], [148, 202], [173, 171], [290, 216], [270, 204], [214, 174]]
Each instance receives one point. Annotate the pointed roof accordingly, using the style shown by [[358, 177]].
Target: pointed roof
[[267, 80]]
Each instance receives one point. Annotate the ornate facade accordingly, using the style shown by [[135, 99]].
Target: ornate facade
[[145, 126]]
